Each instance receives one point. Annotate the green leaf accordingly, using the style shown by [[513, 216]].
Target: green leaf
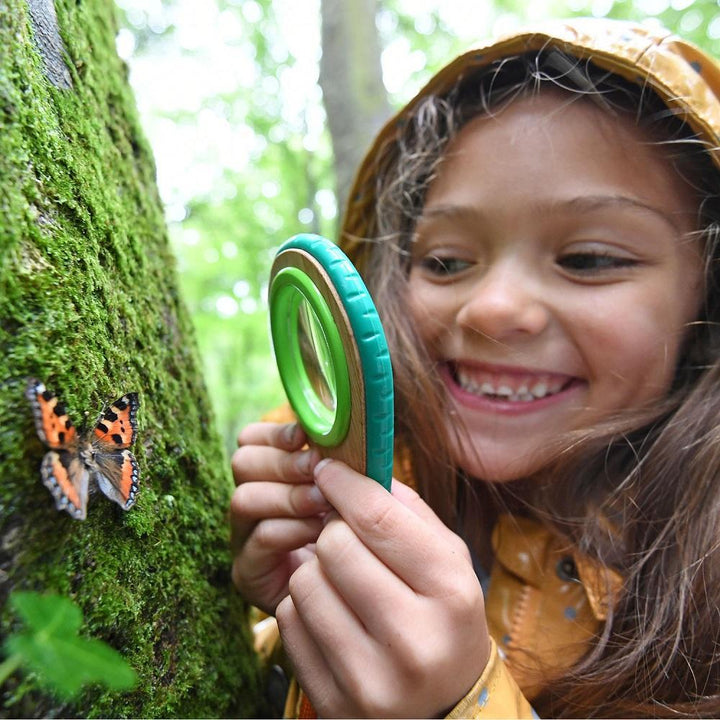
[[63, 660], [47, 613]]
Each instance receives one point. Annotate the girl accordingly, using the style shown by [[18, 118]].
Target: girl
[[538, 230]]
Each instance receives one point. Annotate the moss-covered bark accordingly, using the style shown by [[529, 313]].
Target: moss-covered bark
[[89, 305]]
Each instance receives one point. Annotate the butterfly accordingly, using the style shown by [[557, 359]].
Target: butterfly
[[73, 460]]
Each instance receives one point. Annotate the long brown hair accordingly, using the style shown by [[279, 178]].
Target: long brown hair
[[653, 479]]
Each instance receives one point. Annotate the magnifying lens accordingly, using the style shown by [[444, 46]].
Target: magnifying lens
[[332, 355]]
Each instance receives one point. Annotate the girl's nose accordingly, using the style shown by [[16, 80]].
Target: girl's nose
[[505, 302]]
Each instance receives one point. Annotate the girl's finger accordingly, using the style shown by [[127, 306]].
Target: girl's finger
[[412, 500], [259, 462], [330, 623], [269, 543], [286, 436], [366, 584], [400, 538], [274, 550], [312, 671], [257, 500]]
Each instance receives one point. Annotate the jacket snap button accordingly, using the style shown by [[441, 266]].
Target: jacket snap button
[[276, 689], [567, 570]]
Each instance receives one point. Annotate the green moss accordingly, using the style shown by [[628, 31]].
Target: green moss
[[89, 304]]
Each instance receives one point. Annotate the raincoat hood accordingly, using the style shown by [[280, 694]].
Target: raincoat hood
[[685, 77]]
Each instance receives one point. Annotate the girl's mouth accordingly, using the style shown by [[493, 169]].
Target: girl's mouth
[[514, 386]]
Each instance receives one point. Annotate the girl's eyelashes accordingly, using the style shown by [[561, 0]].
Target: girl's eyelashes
[[594, 262], [590, 261], [443, 266]]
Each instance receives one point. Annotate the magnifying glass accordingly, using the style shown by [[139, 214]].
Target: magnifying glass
[[332, 355]]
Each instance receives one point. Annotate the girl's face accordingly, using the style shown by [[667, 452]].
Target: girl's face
[[552, 278]]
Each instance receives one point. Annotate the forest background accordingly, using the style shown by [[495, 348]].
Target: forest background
[[229, 96]]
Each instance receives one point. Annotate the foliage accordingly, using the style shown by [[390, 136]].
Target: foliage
[[51, 647], [225, 249], [227, 235]]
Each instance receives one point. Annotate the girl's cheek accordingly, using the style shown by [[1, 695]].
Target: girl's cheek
[[418, 311], [429, 310]]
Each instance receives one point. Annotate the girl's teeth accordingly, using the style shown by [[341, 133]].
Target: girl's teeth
[[526, 392], [539, 390]]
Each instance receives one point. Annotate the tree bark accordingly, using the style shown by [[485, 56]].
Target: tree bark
[[89, 305], [354, 96]]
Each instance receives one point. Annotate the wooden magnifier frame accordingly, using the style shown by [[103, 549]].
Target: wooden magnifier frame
[[332, 355]]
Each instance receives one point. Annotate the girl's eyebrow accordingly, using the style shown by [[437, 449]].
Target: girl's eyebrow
[[449, 211], [581, 204], [593, 203]]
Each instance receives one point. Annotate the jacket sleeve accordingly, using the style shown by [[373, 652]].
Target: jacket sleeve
[[494, 695]]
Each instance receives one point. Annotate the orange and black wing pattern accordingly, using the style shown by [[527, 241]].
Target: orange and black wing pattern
[[63, 472], [116, 469]]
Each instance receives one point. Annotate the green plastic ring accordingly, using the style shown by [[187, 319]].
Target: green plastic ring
[[327, 427]]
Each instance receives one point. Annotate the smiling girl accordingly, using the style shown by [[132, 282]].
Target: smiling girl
[[538, 230]]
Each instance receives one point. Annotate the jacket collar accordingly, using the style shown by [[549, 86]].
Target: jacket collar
[[530, 551]]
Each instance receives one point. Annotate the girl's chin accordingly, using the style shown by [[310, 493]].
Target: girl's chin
[[498, 464]]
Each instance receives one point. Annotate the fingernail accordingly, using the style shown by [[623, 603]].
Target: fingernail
[[321, 465], [316, 497], [302, 461], [290, 433]]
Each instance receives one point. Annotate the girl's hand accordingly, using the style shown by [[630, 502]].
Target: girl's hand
[[388, 618], [276, 510]]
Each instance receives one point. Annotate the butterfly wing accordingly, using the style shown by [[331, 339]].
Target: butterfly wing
[[117, 427], [117, 471], [66, 477], [118, 476], [52, 423]]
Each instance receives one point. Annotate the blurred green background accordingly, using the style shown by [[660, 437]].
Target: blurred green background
[[229, 98]]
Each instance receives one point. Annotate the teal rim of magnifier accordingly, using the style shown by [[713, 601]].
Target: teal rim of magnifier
[[326, 426], [371, 345]]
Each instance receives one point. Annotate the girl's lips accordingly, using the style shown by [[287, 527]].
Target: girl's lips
[[506, 389]]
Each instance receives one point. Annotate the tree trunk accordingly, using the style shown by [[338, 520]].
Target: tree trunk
[[89, 305], [355, 99]]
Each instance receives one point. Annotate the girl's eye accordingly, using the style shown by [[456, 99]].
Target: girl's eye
[[594, 262], [443, 266]]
